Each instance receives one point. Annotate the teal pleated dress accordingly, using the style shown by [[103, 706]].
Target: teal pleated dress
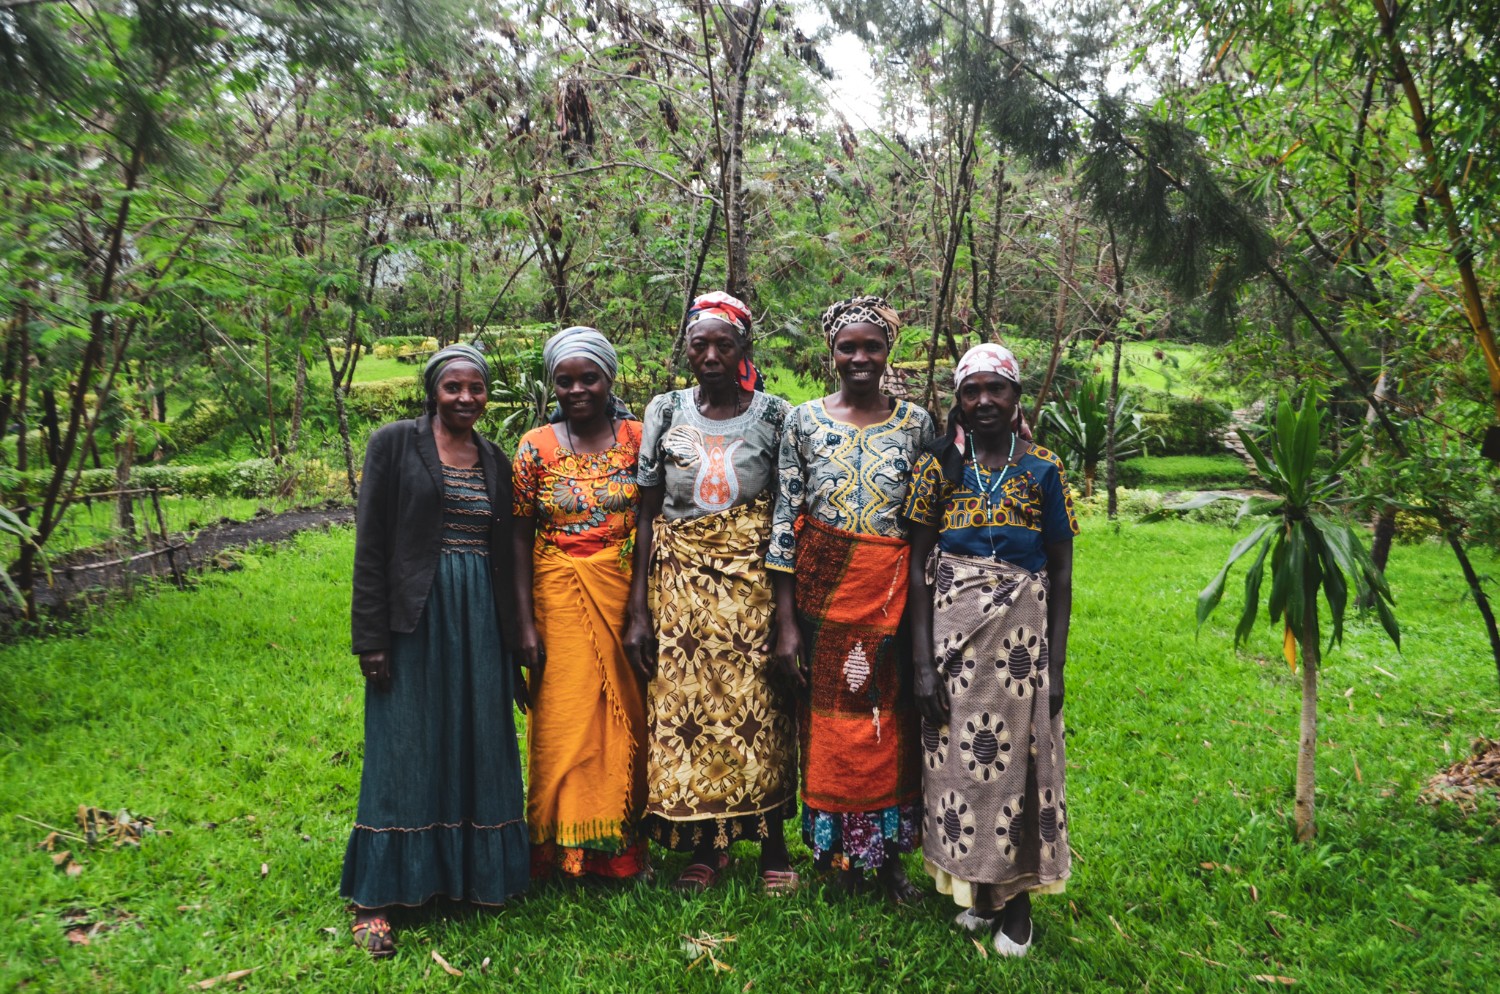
[[441, 804]]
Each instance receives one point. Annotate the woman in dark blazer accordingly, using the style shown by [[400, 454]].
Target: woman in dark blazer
[[441, 810]]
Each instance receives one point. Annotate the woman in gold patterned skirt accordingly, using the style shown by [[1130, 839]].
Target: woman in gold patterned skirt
[[721, 740]]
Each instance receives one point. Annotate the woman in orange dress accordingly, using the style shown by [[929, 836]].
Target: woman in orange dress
[[575, 515]]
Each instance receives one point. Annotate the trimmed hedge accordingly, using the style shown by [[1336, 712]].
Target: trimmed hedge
[[1183, 425], [252, 478]]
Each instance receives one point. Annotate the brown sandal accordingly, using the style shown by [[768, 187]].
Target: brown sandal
[[699, 877], [373, 935]]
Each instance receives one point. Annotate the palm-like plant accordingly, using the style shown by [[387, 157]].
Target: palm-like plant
[[1311, 549], [12, 525], [1080, 426], [523, 392]]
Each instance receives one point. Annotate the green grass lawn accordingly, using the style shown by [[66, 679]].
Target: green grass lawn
[[232, 715], [1223, 472]]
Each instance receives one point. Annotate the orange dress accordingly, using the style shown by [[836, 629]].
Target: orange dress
[[585, 766]]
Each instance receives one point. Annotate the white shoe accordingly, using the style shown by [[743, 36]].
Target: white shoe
[[971, 922], [1005, 946]]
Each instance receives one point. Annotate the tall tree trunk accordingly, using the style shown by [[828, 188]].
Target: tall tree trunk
[[1111, 460], [1307, 737], [1059, 320], [739, 46], [1380, 545], [124, 461], [1459, 248], [275, 452], [299, 395], [691, 291]]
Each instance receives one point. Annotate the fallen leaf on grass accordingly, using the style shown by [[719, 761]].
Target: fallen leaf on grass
[[1399, 925], [1219, 866], [330, 930], [1254, 894], [484, 967], [984, 953], [204, 985], [59, 858], [1118, 928], [78, 936], [448, 968], [1271, 978], [73, 869], [265, 868]]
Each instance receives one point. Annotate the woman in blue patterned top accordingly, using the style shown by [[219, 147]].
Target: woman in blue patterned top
[[991, 596]]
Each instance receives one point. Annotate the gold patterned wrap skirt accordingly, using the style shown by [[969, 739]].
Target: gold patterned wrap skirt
[[721, 740]]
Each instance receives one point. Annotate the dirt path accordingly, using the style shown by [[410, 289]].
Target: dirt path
[[89, 573]]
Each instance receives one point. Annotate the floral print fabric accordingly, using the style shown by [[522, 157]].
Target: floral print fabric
[[582, 502]]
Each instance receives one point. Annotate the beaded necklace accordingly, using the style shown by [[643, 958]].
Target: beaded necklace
[[994, 488]]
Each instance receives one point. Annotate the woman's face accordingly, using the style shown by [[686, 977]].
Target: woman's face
[[714, 352], [461, 396], [581, 388], [860, 354], [988, 402]]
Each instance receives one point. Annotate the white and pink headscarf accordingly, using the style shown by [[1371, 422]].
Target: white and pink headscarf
[[992, 358]]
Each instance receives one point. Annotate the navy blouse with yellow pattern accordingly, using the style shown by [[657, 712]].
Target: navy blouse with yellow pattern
[[1032, 508]]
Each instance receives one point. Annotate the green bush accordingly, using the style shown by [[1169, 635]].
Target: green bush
[[251, 478], [1184, 425], [398, 341], [385, 400]]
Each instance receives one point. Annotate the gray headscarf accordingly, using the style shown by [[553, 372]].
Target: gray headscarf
[[579, 340], [590, 343], [466, 355]]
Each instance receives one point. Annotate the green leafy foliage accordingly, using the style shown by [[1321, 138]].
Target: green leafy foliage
[[1311, 548], [1078, 426]]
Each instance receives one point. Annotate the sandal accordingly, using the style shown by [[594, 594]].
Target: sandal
[[699, 877], [373, 935], [780, 883]]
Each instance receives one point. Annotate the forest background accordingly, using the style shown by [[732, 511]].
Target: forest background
[[231, 231], [226, 226]]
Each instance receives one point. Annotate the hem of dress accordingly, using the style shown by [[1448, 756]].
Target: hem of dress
[[439, 824], [962, 890], [429, 899]]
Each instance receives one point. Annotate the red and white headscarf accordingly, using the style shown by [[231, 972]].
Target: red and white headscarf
[[720, 306], [987, 358], [992, 358]]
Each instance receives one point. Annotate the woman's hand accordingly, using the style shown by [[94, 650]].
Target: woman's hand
[[376, 666], [529, 646], [640, 648], [788, 662], [929, 689]]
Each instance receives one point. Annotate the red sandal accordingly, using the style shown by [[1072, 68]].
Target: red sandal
[[373, 935]]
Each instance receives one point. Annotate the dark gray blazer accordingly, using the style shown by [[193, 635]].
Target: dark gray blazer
[[398, 532]]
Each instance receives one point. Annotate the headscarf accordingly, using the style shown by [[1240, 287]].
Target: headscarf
[[985, 358], [991, 358], [868, 309], [451, 355], [590, 344], [720, 306]]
